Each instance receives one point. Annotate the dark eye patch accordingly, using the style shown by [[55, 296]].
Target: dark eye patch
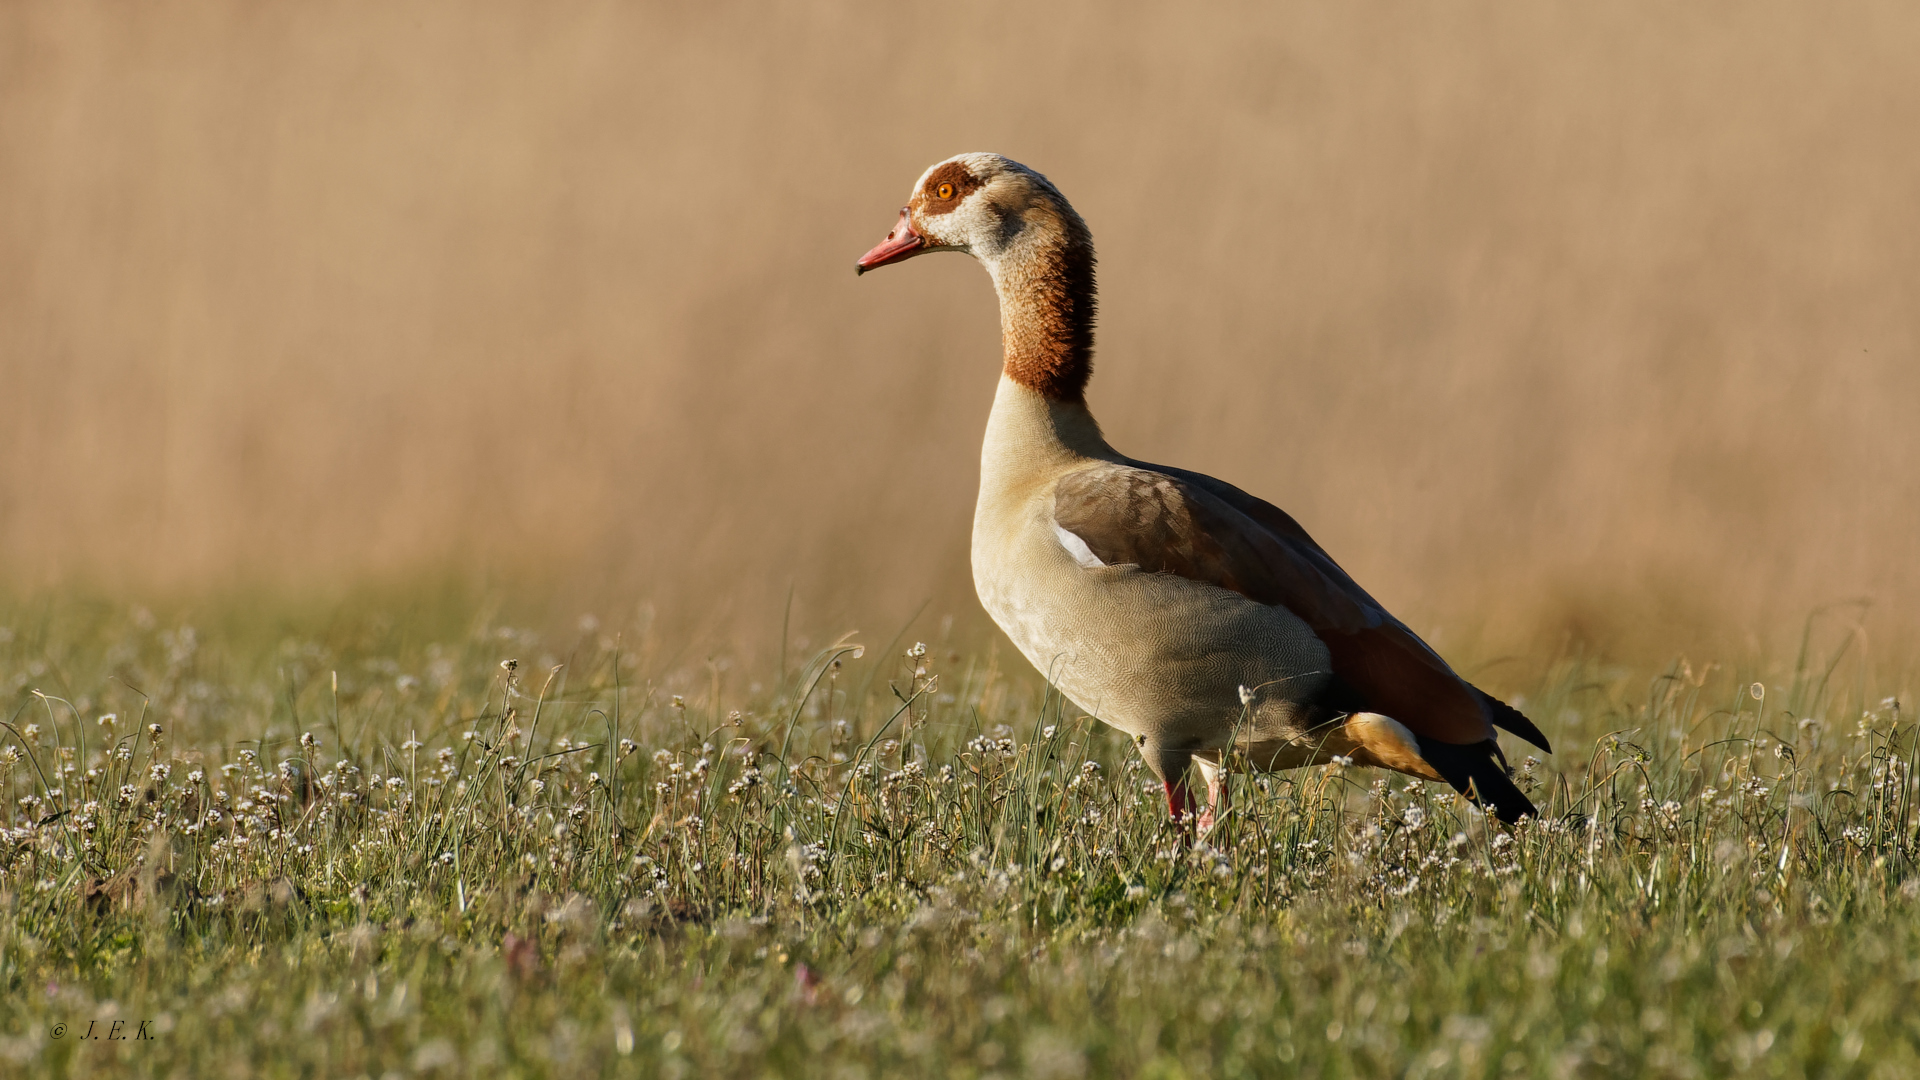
[[954, 178]]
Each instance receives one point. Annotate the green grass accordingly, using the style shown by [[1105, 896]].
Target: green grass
[[906, 865]]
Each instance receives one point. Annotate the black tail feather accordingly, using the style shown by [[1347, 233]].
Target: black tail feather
[[1478, 771], [1508, 718]]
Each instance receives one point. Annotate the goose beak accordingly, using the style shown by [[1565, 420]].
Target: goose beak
[[901, 243]]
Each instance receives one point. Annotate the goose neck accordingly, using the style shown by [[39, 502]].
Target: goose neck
[[1045, 281], [1031, 437]]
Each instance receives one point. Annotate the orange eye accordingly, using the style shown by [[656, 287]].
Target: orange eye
[[944, 191]]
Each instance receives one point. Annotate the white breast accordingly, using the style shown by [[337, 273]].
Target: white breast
[[1148, 653]]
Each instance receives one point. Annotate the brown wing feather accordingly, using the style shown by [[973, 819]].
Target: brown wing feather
[[1174, 522]]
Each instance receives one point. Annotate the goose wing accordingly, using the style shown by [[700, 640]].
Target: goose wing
[[1172, 521]]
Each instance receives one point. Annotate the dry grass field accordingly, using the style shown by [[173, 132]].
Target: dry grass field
[[349, 350], [1589, 320]]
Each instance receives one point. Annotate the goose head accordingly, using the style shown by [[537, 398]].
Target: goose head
[[985, 205], [1037, 250]]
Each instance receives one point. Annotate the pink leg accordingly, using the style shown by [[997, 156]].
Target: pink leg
[[1180, 802], [1171, 767], [1217, 797]]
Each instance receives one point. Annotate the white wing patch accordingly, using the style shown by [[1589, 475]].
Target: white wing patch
[[1076, 547]]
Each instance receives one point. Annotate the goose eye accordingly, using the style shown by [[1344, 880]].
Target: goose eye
[[944, 191]]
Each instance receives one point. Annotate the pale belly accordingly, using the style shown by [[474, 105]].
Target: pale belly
[[1158, 656]]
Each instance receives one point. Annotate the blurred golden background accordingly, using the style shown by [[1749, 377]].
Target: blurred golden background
[[1553, 322]]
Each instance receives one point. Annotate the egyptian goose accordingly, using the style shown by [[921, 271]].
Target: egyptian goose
[[1175, 607]]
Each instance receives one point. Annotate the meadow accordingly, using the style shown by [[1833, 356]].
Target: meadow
[[420, 841], [1582, 335]]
